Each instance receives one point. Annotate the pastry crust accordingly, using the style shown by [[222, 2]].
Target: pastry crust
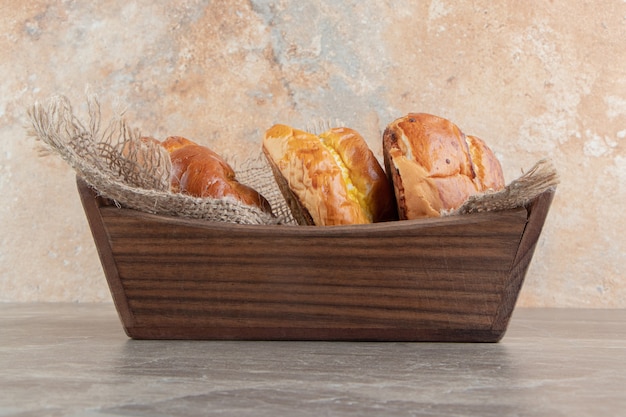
[[329, 179], [434, 167], [200, 172]]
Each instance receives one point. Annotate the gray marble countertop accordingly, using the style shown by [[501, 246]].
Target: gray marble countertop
[[75, 360]]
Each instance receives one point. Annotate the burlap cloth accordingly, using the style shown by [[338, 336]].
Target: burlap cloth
[[135, 174]]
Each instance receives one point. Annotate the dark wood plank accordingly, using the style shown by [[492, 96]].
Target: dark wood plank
[[442, 279], [91, 204], [537, 214]]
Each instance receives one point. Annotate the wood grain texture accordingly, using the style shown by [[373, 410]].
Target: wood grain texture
[[537, 213], [91, 204], [445, 279]]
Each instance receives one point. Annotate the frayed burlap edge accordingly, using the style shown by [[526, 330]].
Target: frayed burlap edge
[[135, 174], [121, 167], [519, 193], [256, 172]]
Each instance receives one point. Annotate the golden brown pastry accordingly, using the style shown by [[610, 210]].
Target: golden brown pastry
[[329, 179], [434, 167], [200, 172]]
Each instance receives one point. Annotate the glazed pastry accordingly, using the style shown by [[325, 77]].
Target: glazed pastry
[[200, 172], [434, 167], [329, 179]]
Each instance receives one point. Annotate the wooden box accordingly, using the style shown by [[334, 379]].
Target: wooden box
[[451, 279]]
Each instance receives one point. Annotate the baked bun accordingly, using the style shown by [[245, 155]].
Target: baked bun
[[200, 172], [329, 179], [434, 167]]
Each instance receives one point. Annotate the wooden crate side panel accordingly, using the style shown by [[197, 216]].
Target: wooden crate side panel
[[441, 277]]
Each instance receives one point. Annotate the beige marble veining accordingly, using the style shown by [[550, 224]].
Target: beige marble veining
[[534, 79]]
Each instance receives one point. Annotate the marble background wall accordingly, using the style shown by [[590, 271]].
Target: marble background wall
[[535, 79]]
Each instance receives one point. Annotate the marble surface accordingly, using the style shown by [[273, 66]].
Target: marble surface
[[534, 79], [74, 360]]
